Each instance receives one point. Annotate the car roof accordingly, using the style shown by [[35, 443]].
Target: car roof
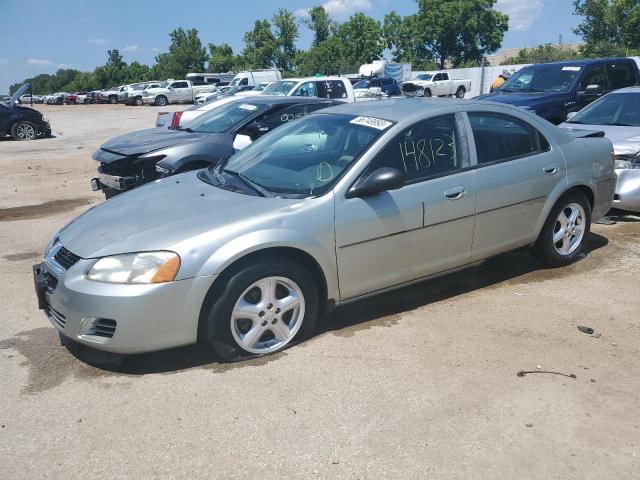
[[587, 61], [279, 99], [397, 109]]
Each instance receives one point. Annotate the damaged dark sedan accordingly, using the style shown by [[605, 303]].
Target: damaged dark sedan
[[22, 123], [134, 159]]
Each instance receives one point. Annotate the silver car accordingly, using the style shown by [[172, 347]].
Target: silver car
[[325, 210], [618, 116]]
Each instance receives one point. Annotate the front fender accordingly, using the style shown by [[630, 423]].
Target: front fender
[[252, 242]]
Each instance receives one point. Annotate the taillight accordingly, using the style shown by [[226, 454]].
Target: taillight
[[175, 120]]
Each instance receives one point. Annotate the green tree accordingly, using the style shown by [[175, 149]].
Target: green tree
[[286, 34], [320, 23], [360, 41], [398, 37], [186, 54], [322, 59], [542, 54], [260, 46], [221, 58], [609, 27], [456, 31]]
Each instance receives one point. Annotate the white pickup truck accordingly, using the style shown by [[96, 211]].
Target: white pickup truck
[[174, 91], [438, 84]]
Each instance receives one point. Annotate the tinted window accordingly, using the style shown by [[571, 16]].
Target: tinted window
[[424, 150], [280, 114], [621, 109], [621, 75], [224, 118], [197, 80], [499, 137], [594, 75], [445, 76], [180, 85], [437, 77], [334, 89]]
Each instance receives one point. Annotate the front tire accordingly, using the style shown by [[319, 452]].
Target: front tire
[[426, 93], [24, 130], [565, 231], [263, 308], [161, 101], [138, 101]]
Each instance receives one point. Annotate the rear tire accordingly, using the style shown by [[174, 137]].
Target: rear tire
[[565, 231], [280, 300], [138, 101], [113, 100], [460, 93]]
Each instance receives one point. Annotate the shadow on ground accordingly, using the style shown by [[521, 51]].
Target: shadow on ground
[[50, 364]]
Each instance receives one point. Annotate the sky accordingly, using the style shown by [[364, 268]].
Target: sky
[[40, 36]]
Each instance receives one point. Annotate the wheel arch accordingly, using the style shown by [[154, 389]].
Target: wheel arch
[[558, 194], [274, 252]]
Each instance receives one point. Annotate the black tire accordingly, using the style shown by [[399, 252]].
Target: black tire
[[109, 193], [426, 92], [545, 249], [24, 130], [138, 101], [218, 308], [161, 101], [113, 100], [460, 93]]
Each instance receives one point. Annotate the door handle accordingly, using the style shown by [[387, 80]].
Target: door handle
[[455, 193], [550, 169]]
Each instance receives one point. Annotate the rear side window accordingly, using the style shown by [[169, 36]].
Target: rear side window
[[594, 75], [424, 150], [499, 137], [621, 75], [445, 76]]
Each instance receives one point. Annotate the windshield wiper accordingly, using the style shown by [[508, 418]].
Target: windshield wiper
[[185, 129], [256, 186]]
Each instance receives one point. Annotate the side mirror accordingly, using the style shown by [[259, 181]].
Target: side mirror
[[592, 90], [380, 180], [570, 115]]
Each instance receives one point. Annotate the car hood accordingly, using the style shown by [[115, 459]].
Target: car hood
[[160, 215], [525, 98], [626, 140], [145, 141], [18, 93]]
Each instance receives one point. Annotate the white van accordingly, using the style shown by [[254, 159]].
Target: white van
[[214, 79], [255, 77]]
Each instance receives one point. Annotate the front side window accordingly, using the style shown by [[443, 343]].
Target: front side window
[[304, 157], [437, 77], [424, 150], [307, 89], [500, 137], [282, 87], [424, 76], [594, 75], [361, 84], [180, 85]]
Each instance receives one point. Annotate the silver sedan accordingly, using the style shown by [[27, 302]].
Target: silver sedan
[[325, 210]]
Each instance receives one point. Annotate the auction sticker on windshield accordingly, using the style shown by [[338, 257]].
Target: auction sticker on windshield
[[377, 123], [571, 69], [247, 106]]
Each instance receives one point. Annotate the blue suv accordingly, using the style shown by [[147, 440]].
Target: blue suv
[[552, 90], [387, 85]]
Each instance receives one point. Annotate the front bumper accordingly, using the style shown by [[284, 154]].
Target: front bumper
[[149, 100], [627, 193], [114, 182], [120, 318]]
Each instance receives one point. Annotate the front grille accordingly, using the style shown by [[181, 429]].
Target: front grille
[[102, 327], [65, 258], [58, 318]]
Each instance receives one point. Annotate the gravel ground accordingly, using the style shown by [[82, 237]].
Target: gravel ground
[[419, 383]]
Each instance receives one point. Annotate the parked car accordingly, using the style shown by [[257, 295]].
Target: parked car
[[112, 94], [257, 90], [28, 98], [376, 86], [181, 118], [22, 123], [56, 98], [438, 84], [72, 98], [134, 159], [134, 95], [176, 91], [88, 98], [552, 90], [211, 94], [255, 77], [618, 116], [348, 202]]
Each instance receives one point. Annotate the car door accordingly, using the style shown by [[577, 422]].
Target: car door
[[422, 228], [516, 171], [592, 75], [183, 91]]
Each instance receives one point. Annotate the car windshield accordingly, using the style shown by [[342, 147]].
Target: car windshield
[[362, 84], [302, 158], [542, 78], [424, 76], [283, 87], [621, 109], [224, 118]]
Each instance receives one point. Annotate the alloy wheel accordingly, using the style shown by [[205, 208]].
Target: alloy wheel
[[569, 229], [267, 315], [25, 131]]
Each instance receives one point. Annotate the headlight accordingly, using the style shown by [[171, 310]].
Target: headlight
[[627, 162], [53, 240], [143, 267]]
